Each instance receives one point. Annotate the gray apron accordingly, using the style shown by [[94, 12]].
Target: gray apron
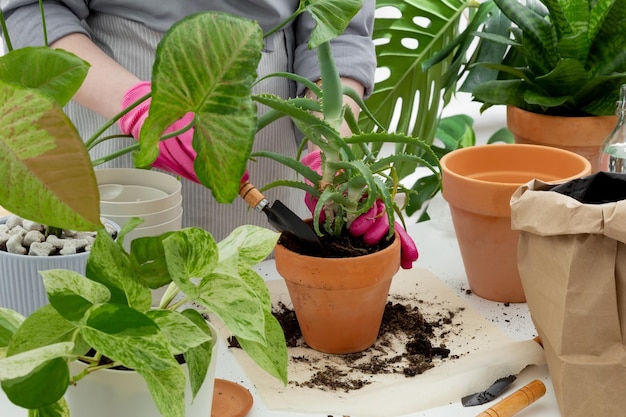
[[133, 46]]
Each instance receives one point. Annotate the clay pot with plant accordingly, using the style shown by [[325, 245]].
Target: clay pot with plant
[[551, 63], [351, 192]]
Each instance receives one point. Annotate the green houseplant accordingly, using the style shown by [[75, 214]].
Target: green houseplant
[[553, 59], [109, 315]]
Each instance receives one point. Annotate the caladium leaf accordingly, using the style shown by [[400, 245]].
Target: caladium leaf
[[55, 72], [218, 92], [46, 170]]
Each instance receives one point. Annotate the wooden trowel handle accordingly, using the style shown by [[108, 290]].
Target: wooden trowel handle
[[517, 401], [252, 196]]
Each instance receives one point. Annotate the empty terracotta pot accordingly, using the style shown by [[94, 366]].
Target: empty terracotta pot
[[339, 302], [478, 183], [583, 135]]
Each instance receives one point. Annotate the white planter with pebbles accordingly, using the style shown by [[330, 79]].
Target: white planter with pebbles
[[24, 251]]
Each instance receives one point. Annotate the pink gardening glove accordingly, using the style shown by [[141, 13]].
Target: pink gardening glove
[[372, 225], [176, 155]]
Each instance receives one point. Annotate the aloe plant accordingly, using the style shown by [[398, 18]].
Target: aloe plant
[[352, 178], [557, 57], [109, 313]]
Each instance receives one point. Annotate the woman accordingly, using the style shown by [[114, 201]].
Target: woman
[[119, 38]]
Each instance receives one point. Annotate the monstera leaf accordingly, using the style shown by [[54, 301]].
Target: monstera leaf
[[405, 38]]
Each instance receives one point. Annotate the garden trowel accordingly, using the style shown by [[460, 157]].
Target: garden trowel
[[280, 216]]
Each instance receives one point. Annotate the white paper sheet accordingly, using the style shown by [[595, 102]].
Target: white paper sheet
[[484, 355]]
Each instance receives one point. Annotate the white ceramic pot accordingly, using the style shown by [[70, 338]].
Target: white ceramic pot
[[21, 285], [107, 393], [150, 195]]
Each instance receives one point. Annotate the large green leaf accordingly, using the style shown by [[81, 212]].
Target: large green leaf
[[111, 266], [198, 359], [43, 385], [403, 43], [271, 355], [46, 170], [55, 72], [180, 332], [71, 294], [167, 388], [42, 328], [217, 91], [191, 254], [331, 17], [127, 336]]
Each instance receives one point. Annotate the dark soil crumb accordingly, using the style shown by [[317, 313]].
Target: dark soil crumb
[[403, 347]]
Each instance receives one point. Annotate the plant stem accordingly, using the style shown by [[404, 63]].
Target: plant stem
[[301, 8], [5, 32], [43, 23], [93, 140]]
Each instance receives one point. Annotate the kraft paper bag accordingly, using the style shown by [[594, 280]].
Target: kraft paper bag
[[572, 262]]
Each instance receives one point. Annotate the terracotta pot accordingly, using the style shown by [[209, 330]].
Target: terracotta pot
[[339, 302], [582, 135], [478, 183]]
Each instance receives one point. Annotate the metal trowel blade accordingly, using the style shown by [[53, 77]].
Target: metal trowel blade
[[489, 394]]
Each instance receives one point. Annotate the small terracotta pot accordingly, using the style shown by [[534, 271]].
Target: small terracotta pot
[[478, 183], [582, 135], [339, 302]]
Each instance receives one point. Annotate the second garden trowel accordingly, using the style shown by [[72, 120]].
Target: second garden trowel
[[280, 216]]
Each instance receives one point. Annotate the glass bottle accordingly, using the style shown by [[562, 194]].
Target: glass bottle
[[613, 150]]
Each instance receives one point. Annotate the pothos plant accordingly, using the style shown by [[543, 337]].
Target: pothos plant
[[108, 314]]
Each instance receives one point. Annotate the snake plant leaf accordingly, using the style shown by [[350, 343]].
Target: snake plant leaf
[[568, 58], [217, 91], [55, 72], [332, 18], [46, 170]]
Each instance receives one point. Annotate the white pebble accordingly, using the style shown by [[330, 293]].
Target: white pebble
[[13, 221], [4, 237], [33, 236], [55, 241], [17, 230], [40, 249], [30, 225], [73, 246], [14, 245]]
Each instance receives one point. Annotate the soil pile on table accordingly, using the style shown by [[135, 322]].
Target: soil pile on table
[[407, 344]]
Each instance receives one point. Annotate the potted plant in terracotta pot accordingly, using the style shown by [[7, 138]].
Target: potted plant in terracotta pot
[[339, 290], [557, 67], [102, 326]]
